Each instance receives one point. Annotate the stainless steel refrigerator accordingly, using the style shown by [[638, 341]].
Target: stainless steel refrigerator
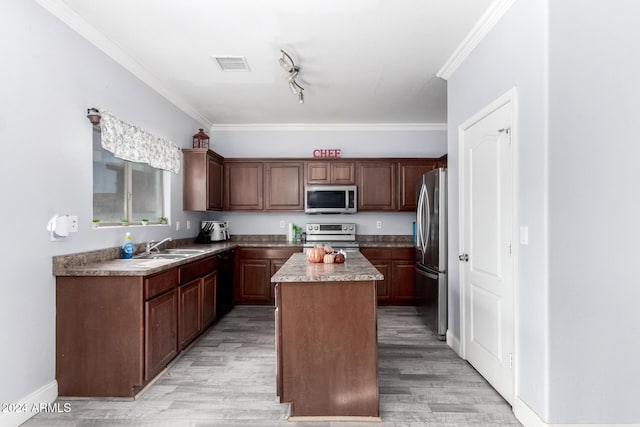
[[431, 250]]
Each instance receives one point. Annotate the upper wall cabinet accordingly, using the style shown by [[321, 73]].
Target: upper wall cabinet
[[330, 172], [377, 185], [202, 180], [243, 186], [410, 171], [283, 186]]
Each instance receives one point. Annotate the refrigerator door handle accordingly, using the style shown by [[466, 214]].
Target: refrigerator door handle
[[419, 230], [428, 215]]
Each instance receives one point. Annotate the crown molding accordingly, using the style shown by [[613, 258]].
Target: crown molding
[[486, 22], [63, 12], [358, 127]]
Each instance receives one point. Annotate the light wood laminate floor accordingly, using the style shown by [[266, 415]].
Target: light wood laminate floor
[[227, 378]]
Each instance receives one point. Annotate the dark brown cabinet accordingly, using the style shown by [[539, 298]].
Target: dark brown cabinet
[[114, 334], [189, 314], [160, 332], [243, 188], [330, 172], [377, 186], [410, 171], [255, 268], [398, 267], [283, 190], [202, 180]]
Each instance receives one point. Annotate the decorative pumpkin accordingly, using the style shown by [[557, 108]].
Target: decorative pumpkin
[[339, 258], [328, 249], [328, 259], [315, 254]]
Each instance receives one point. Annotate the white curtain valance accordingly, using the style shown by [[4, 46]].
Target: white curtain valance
[[135, 144]]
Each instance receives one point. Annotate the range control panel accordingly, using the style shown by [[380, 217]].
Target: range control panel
[[348, 228]]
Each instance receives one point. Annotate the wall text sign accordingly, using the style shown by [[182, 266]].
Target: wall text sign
[[326, 153]]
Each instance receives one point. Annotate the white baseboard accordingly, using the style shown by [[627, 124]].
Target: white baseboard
[[30, 405], [529, 418], [454, 343]]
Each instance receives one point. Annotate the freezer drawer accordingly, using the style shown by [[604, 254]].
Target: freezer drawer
[[431, 291]]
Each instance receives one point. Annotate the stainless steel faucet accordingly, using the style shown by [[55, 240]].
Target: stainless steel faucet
[[151, 245]]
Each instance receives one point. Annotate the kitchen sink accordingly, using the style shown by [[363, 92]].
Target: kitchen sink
[[177, 251], [161, 256]]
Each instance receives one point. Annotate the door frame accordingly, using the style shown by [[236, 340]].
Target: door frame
[[509, 97]]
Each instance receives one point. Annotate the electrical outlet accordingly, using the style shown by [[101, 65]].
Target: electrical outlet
[[378, 225], [282, 224], [73, 224], [177, 225], [188, 225]]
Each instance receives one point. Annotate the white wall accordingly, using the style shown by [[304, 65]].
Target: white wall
[[269, 223], [594, 211], [512, 55], [49, 77], [353, 143]]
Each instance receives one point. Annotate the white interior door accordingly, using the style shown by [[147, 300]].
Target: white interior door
[[486, 238]]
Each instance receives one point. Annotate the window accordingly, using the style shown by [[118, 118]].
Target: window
[[123, 189]]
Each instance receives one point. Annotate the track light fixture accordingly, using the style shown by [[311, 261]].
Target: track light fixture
[[292, 70]]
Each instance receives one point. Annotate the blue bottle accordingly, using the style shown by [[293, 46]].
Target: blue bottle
[[126, 251]]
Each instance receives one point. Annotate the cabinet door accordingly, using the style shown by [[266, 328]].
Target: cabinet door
[[410, 171], [254, 282], [160, 332], [284, 186], [343, 173], [404, 282], [318, 172], [276, 264], [377, 186], [189, 315], [209, 284], [383, 286], [214, 184], [243, 186]]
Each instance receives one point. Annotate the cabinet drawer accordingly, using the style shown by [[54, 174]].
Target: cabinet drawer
[[376, 253], [198, 269], [268, 253], [407, 254], [160, 283]]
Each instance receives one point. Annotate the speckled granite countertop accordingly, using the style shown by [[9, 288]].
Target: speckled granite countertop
[[355, 268], [132, 267]]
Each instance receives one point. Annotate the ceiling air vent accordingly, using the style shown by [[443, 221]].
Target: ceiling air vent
[[232, 63]]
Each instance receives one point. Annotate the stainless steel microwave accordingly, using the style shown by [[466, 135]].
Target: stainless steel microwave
[[330, 199]]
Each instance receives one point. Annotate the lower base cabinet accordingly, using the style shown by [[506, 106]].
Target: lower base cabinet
[[161, 333], [255, 266], [114, 334], [397, 265]]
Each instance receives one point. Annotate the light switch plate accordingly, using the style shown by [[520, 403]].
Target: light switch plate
[[177, 225], [524, 235]]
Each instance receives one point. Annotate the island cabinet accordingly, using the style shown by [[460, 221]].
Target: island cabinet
[[202, 180], [338, 172], [326, 339], [409, 172], [398, 267], [377, 185], [114, 334], [255, 266]]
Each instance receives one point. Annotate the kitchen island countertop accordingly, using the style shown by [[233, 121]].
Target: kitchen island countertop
[[355, 268]]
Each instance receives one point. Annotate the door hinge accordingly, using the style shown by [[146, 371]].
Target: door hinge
[[509, 247], [510, 360]]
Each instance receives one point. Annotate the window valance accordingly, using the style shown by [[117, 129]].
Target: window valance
[[135, 144]]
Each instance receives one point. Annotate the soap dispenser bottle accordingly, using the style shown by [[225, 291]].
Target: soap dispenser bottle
[[126, 251]]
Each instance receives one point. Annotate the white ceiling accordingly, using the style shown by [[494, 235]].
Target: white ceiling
[[361, 61]]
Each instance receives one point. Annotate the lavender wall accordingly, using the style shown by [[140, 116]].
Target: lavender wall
[[50, 76]]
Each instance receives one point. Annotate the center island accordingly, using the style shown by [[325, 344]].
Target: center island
[[326, 339]]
